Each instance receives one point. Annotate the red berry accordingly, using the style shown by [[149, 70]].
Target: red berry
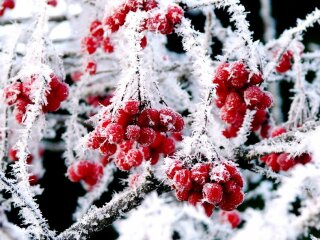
[[256, 79], [132, 107], [159, 139], [271, 161], [106, 45], [212, 193], [8, 4], [222, 73], [134, 157], [33, 179], [115, 133], [143, 42], [149, 4], [168, 146], [230, 201], [265, 130], [232, 217], [123, 118], [89, 45], [133, 132], [168, 118], [105, 160], [277, 131], [125, 146], [91, 67], [147, 136], [285, 161], [108, 148], [234, 109], [177, 136], [155, 157], [95, 140], [174, 14], [173, 167], [149, 118], [304, 158], [12, 92], [159, 23], [182, 180], [195, 198], [183, 194], [259, 117], [200, 173], [73, 176], [146, 152], [239, 75], [96, 29], [253, 96], [53, 3], [208, 208], [121, 163], [285, 62], [112, 24]]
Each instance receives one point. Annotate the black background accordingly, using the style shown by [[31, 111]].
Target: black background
[[59, 198]]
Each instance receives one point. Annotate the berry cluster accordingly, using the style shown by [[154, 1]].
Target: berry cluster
[[135, 134], [18, 94], [232, 217], [283, 161], [5, 5], [89, 172], [96, 39], [237, 91], [33, 178], [211, 186]]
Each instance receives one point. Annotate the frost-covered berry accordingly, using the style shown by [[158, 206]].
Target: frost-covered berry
[[168, 146], [208, 208], [233, 218], [91, 67], [149, 118], [182, 194], [147, 136], [200, 173], [182, 180], [132, 107], [304, 158], [277, 131], [108, 148], [285, 161], [239, 75], [212, 193], [234, 109], [106, 45], [168, 119], [134, 157], [149, 4], [133, 132], [89, 45], [173, 167], [96, 29], [114, 133], [8, 4], [285, 62], [174, 14], [195, 198]]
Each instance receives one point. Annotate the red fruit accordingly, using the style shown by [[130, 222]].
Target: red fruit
[[53, 3], [159, 139], [108, 148], [114, 133], [134, 157], [121, 163], [256, 79], [285, 62], [149, 4], [91, 67], [212, 193], [89, 45], [132, 107], [168, 118], [200, 173], [95, 140], [155, 157], [112, 24], [73, 176], [259, 117], [53, 104], [123, 118], [147, 136], [234, 109], [133, 132], [159, 23], [174, 14], [106, 45], [8, 4], [277, 131], [96, 173], [220, 174], [182, 180], [221, 92], [96, 29], [230, 201], [177, 136], [253, 96], [12, 92], [120, 15], [143, 42], [13, 154], [62, 91], [265, 130], [285, 161], [271, 161], [232, 217], [20, 109], [179, 124], [149, 118], [173, 167], [168, 146], [195, 198], [33, 179], [126, 145], [222, 73], [182, 195], [231, 131], [239, 75], [304, 158], [105, 160], [146, 152], [208, 208]]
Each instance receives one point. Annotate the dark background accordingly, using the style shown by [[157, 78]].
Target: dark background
[[59, 198]]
